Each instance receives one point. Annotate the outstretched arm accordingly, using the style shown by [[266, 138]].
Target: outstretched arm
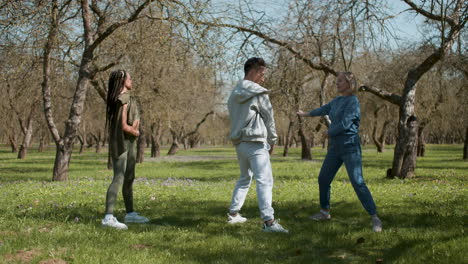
[[321, 111]]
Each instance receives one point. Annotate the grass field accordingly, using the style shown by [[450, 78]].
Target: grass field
[[187, 198]]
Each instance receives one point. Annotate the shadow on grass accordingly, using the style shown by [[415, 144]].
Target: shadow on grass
[[308, 242]]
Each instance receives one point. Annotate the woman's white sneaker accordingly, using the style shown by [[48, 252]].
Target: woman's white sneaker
[[376, 224], [320, 216], [274, 227], [237, 219], [114, 223], [134, 217]]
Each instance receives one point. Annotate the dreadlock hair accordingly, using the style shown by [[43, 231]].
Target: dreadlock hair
[[115, 86]]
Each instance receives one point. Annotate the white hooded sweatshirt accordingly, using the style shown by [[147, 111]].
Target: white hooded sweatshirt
[[251, 114]]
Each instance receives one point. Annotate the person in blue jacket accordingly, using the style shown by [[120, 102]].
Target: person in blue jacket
[[344, 147]]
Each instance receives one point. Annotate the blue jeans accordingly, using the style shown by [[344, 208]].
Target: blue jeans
[[345, 150]]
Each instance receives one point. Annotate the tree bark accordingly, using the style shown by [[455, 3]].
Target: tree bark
[[465, 146], [62, 161], [41, 144], [404, 159], [26, 140], [156, 140], [97, 141], [288, 140], [80, 138], [141, 145], [13, 145], [194, 140], [421, 149], [379, 140], [306, 154], [175, 144]]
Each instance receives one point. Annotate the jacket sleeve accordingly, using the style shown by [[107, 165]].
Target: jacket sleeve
[[351, 114], [266, 112], [321, 111]]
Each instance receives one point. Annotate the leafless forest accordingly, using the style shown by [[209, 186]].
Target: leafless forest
[[184, 57]]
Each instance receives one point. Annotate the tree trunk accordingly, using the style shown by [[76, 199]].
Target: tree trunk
[[97, 141], [26, 140], [156, 140], [380, 140], [175, 144], [148, 141], [288, 140], [465, 146], [306, 154], [421, 149], [41, 144], [13, 145], [62, 161], [404, 159], [80, 138], [141, 145], [194, 140]]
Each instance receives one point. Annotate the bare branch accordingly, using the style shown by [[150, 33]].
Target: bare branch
[[430, 15], [390, 97], [133, 17]]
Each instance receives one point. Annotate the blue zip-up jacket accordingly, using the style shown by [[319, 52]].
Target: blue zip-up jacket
[[344, 113]]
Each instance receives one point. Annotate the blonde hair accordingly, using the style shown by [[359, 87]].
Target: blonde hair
[[351, 79]]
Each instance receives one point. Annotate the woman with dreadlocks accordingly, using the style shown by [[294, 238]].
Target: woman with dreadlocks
[[123, 120]]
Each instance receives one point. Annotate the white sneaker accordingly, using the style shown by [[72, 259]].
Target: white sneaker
[[320, 216], [114, 223], [275, 227], [134, 217], [238, 219], [376, 224]]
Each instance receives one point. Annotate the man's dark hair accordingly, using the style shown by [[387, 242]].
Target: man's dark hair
[[253, 63]]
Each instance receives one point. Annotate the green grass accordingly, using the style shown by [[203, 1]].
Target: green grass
[[424, 218]]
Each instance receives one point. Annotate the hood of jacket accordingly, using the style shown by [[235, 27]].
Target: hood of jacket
[[245, 90]]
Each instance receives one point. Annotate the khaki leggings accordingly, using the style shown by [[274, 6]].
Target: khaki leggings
[[124, 174]]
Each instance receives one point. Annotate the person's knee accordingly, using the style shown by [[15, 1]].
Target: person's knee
[[323, 180], [129, 181], [244, 183], [264, 180]]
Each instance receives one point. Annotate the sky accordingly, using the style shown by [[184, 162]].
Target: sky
[[406, 24]]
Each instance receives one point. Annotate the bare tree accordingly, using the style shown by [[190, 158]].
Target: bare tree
[[92, 38], [404, 160]]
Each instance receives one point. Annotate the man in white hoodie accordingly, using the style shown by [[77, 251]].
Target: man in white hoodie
[[254, 135]]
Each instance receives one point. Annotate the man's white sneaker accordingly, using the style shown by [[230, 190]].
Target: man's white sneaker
[[114, 223], [274, 227], [320, 216], [134, 217], [376, 224], [237, 219]]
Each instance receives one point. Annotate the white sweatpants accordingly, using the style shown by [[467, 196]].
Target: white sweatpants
[[254, 160]]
